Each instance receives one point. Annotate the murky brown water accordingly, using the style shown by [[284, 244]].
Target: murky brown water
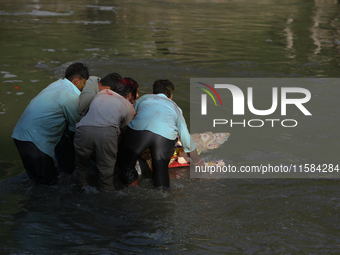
[[178, 40]]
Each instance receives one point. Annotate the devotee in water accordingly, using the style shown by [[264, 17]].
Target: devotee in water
[[98, 131], [92, 87], [156, 125], [44, 121]]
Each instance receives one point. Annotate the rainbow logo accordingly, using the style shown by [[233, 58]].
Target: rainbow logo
[[204, 97]]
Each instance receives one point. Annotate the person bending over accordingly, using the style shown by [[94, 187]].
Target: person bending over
[[133, 85], [156, 125], [43, 122], [99, 130], [94, 85]]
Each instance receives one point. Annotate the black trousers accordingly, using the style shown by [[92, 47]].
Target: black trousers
[[133, 143], [64, 152], [38, 165]]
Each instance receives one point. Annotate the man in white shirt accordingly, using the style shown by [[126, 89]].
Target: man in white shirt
[[99, 130], [92, 87]]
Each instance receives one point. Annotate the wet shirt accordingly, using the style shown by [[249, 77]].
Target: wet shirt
[[89, 92], [45, 118], [160, 115], [108, 109]]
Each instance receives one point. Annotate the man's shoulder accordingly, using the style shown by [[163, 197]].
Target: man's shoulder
[[63, 92], [160, 99], [110, 97], [91, 85], [92, 80], [51, 91]]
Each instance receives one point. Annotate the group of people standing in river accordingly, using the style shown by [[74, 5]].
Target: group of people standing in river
[[82, 117]]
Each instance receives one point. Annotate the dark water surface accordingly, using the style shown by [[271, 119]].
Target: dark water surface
[[178, 40]]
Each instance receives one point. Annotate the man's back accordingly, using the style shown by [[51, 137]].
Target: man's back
[[108, 109], [44, 120]]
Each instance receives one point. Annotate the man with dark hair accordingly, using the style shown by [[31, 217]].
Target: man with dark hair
[[99, 130], [156, 125], [42, 124], [94, 85], [163, 87], [127, 88]]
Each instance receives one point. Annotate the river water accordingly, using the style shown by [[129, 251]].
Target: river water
[[178, 40]]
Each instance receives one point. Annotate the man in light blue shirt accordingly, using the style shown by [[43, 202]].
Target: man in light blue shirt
[[156, 125], [43, 123]]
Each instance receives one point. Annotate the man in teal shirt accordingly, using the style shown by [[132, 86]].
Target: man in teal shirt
[[43, 123], [157, 124]]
